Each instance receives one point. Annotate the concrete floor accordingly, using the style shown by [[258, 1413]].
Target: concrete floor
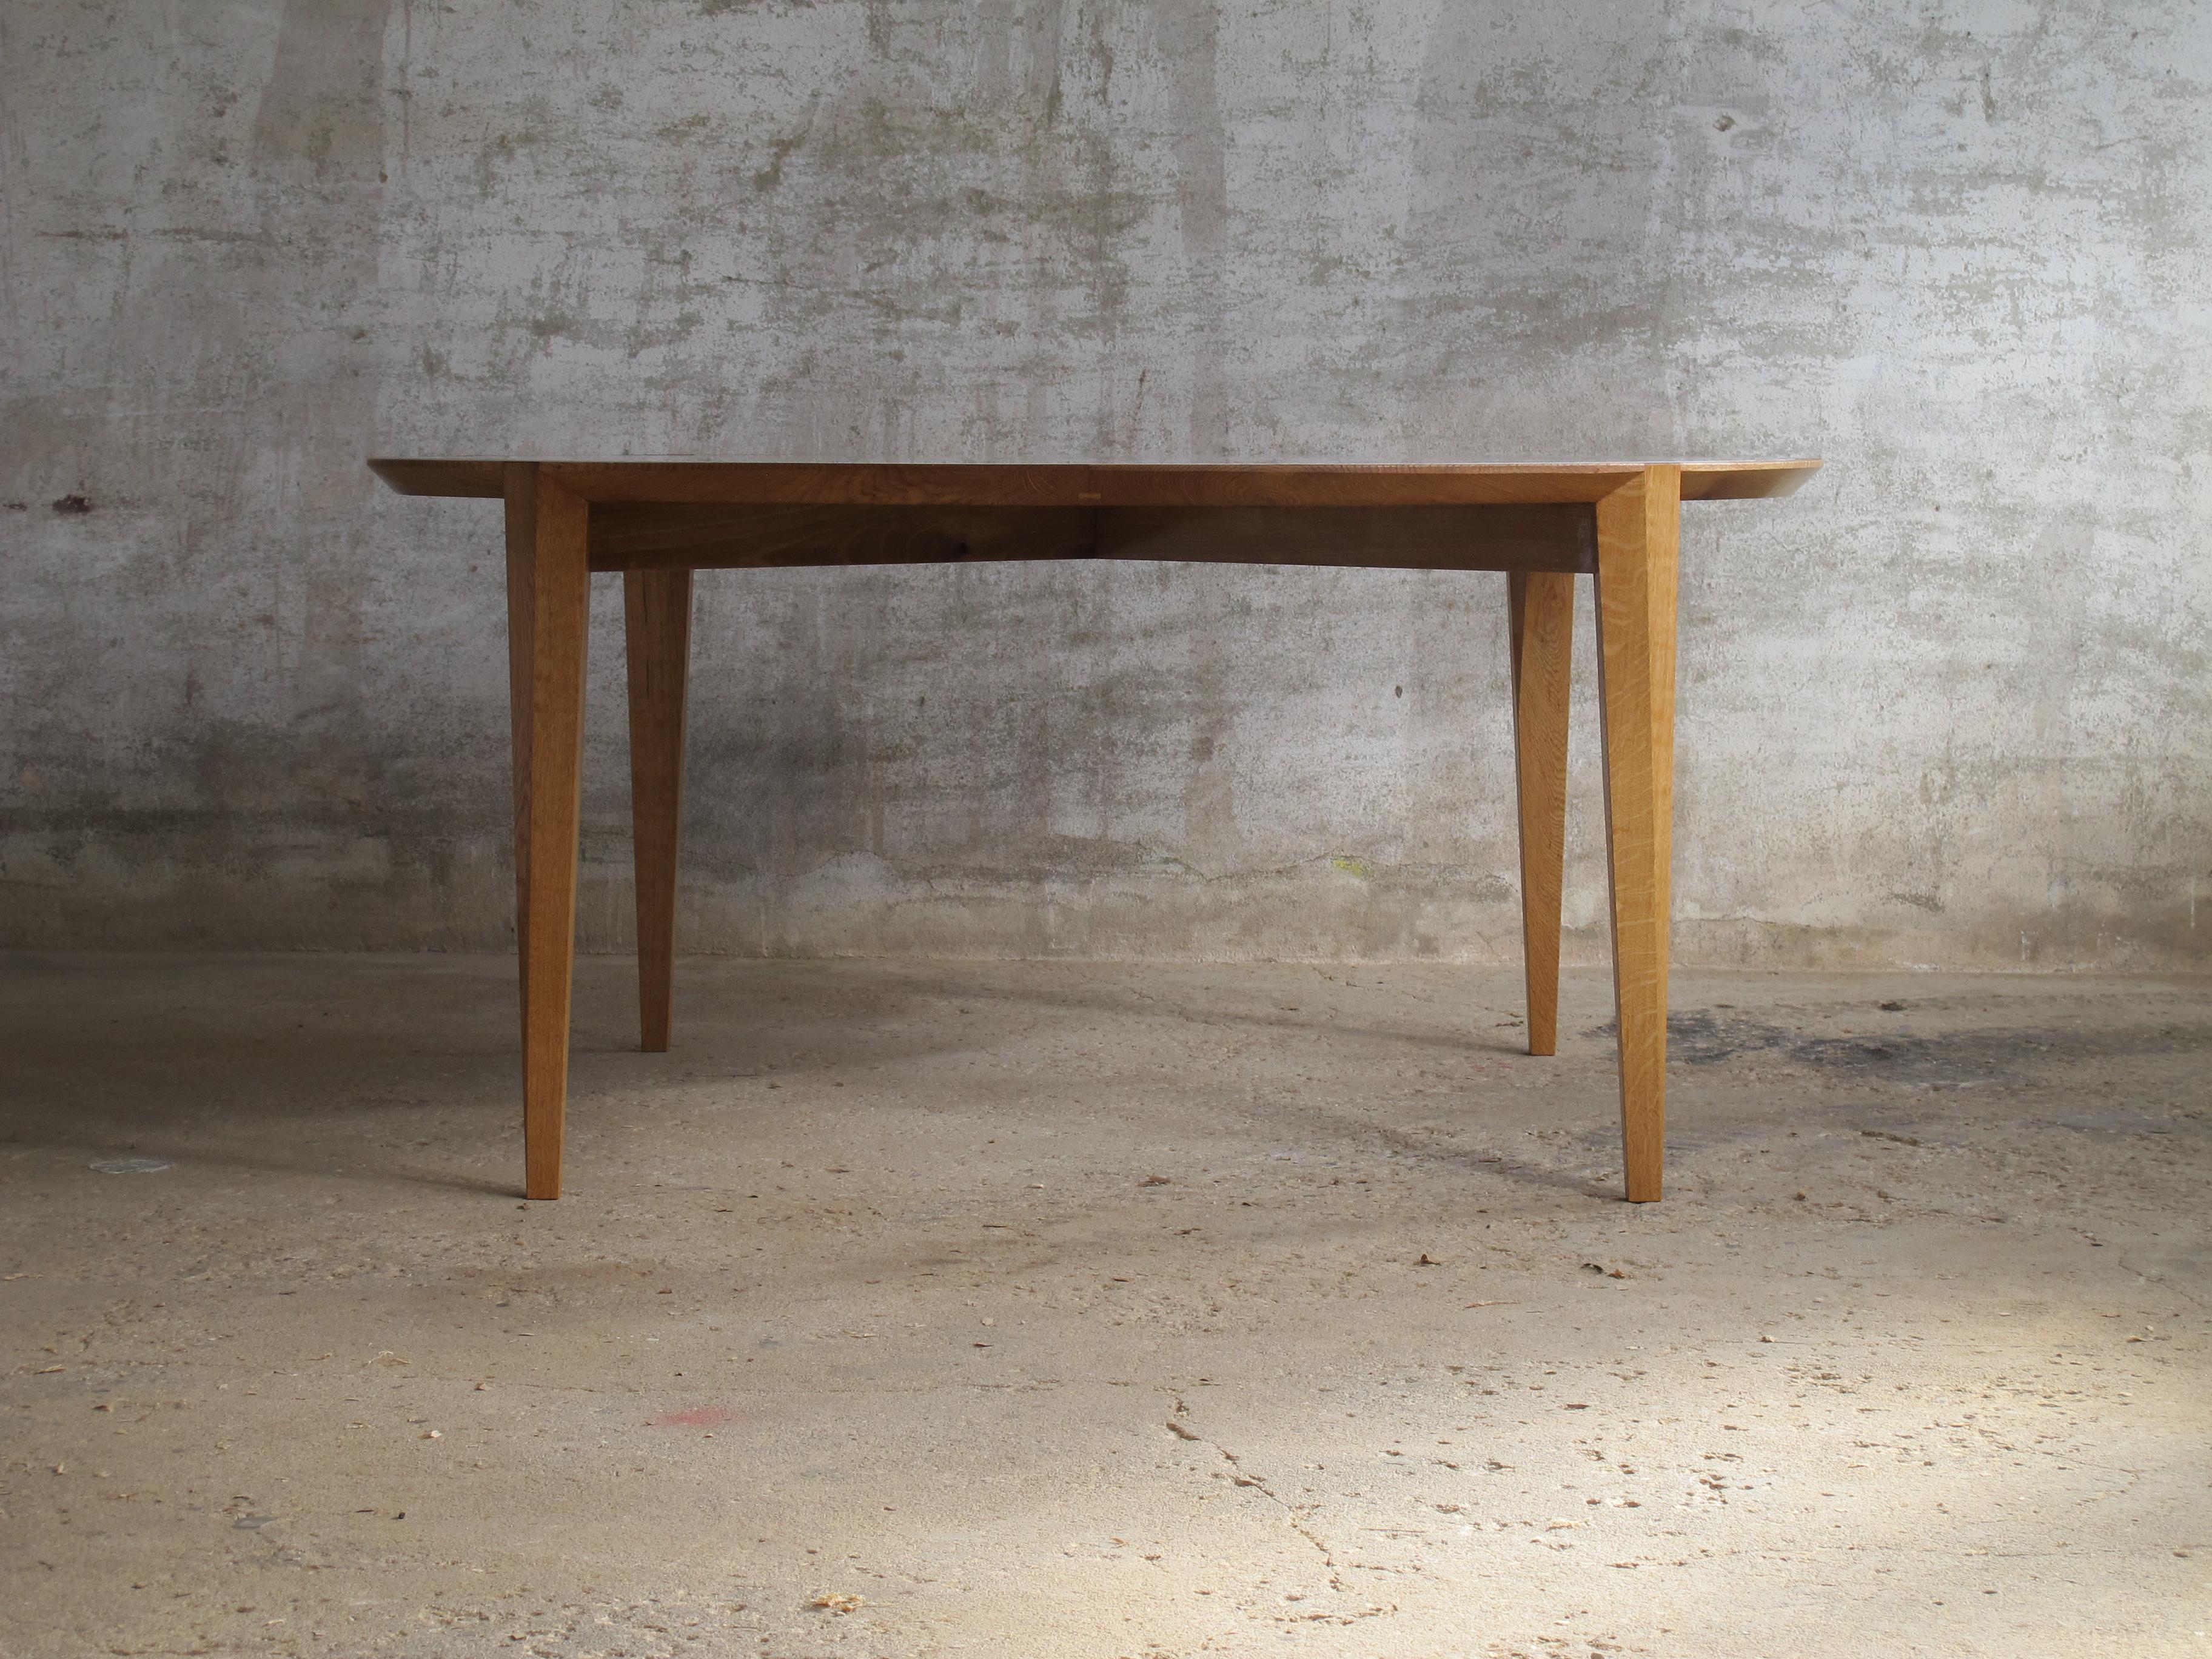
[[1047, 1309]]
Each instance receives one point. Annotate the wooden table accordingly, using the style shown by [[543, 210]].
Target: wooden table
[[657, 522]]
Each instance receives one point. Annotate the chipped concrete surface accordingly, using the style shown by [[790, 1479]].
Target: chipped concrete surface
[[1078, 1310], [1947, 707]]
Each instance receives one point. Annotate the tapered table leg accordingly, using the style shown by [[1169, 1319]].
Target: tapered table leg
[[657, 627], [1542, 613], [1638, 534], [548, 608]]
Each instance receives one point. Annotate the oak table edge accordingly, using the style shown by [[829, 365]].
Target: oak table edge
[[1288, 484]]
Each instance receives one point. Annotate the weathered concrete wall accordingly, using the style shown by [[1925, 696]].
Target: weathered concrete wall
[[1948, 705]]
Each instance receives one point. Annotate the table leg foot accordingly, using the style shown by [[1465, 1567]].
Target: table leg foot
[[1637, 539], [548, 610]]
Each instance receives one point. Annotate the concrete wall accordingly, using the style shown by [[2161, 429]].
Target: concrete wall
[[1948, 705]]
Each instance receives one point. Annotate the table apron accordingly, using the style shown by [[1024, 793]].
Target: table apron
[[652, 536]]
